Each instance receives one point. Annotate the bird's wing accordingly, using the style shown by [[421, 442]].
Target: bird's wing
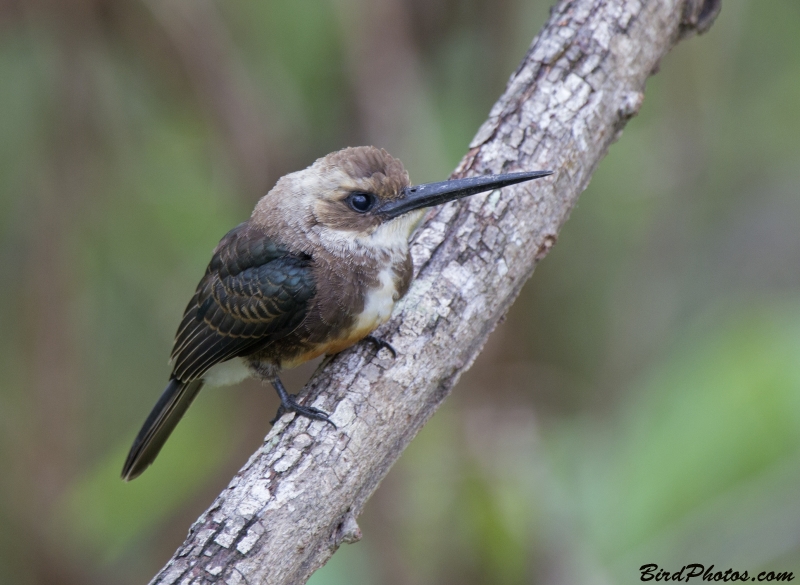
[[254, 292]]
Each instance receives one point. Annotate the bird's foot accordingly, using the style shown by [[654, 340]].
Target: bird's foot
[[290, 404], [381, 344]]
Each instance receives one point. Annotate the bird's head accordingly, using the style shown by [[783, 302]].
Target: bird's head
[[363, 195]]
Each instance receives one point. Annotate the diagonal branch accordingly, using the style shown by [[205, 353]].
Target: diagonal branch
[[296, 499]]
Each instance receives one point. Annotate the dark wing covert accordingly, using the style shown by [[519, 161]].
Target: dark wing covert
[[253, 293]]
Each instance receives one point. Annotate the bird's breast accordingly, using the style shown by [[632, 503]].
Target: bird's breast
[[372, 307], [378, 304]]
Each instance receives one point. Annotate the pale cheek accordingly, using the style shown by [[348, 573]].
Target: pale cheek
[[414, 219], [336, 241], [395, 234]]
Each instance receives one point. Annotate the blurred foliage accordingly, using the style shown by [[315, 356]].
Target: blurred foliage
[[640, 405]]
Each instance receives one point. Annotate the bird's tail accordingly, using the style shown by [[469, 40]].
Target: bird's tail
[[159, 425]]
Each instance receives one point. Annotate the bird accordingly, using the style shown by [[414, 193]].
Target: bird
[[316, 268]]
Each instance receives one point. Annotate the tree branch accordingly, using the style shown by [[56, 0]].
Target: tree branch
[[295, 501]]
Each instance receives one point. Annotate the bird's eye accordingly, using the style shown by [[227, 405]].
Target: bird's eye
[[360, 201]]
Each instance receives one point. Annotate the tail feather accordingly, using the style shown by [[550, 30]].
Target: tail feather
[[159, 425]]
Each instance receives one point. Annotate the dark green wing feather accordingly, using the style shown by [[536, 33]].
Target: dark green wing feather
[[254, 292]]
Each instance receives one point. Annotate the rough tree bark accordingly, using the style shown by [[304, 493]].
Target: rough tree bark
[[297, 498]]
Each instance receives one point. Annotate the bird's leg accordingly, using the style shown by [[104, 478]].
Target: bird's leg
[[381, 344], [289, 404]]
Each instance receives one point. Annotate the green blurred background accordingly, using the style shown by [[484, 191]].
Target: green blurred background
[[641, 404]]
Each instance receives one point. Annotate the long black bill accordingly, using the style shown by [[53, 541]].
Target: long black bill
[[431, 194]]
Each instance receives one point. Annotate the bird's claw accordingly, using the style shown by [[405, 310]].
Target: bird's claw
[[291, 405], [381, 344]]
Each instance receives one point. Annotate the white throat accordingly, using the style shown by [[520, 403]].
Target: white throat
[[390, 237]]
